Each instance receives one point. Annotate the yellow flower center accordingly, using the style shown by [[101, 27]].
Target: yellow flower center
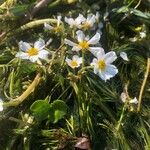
[[101, 65], [138, 29], [86, 26], [74, 64], [84, 45], [32, 51], [57, 29]]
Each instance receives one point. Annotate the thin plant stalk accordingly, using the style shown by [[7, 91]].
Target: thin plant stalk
[[143, 84], [121, 117]]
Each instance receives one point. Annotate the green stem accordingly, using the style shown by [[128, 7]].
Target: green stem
[[11, 85], [121, 117], [83, 59], [139, 2], [35, 24], [79, 106], [27, 26]]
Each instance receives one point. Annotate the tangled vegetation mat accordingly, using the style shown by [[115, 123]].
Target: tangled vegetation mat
[[74, 75]]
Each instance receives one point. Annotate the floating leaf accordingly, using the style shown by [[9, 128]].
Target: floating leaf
[[40, 109], [60, 109]]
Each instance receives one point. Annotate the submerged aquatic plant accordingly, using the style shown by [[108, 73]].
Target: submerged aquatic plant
[[83, 83]]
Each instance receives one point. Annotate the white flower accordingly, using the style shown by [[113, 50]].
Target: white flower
[[75, 62], [1, 105], [102, 64], [124, 56], [32, 53], [123, 97], [56, 28], [142, 34], [133, 101], [88, 22], [75, 22], [84, 23], [83, 41]]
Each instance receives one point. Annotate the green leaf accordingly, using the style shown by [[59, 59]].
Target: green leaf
[[60, 109], [19, 10], [40, 109], [51, 117], [123, 9], [140, 14]]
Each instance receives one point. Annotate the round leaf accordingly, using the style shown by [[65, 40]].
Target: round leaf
[[40, 109], [60, 109]]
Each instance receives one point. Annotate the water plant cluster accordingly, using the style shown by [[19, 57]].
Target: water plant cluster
[[74, 74]]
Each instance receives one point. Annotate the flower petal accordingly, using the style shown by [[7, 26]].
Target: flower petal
[[110, 57], [80, 36], [40, 44], [97, 51], [68, 61], [79, 19], [77, 58], [142, 34], [111, 70], [24, 46], [22, 55], [70, 43], [96, 70], [34, 58], [1, 105], [47, 26], [123, 97], [124, 56], [133, 101], [76, 48], [97, 16], [103, 76], [95, 39], [94, 62], [67, 20], [91, 19], [87, 38], [59, 20], [43, 54], [70, 21]]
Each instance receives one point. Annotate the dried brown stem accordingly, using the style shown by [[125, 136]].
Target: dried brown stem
[[37, 7], [26, 93], [143, 84]]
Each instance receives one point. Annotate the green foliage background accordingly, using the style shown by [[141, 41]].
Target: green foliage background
[[68, 106]]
